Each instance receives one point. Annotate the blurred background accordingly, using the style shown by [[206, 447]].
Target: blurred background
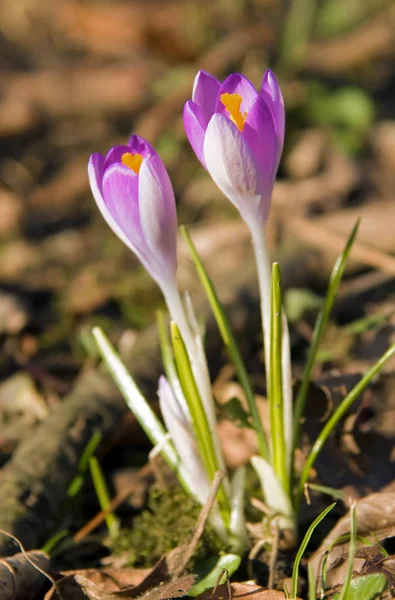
[[79, 76]]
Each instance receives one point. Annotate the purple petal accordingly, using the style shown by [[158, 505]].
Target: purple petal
[[138, 145], [260, 135], [121, 210], [205, 93], [237, 84], [114, 155], [195, 128], [157, 210], [232, 166], [271, 92]]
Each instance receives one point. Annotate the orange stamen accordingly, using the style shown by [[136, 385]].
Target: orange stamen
[[133, 161], [232, 103]]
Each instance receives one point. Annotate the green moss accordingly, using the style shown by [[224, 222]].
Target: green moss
[[168, 521]]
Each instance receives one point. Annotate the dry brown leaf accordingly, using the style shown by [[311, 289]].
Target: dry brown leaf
[[246, 591], [78, 587], [19, 579]]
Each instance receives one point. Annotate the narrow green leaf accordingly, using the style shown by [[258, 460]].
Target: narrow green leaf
[[324, 489], [339, 540], [83, 465], [138, 405], [279, 448], [229, 342], [311, 582], [351, 552], [103, 495], [201, 426], [337, 415], [303, 546], [53, 541], [319, 329]]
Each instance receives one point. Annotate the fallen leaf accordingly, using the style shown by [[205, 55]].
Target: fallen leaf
[[246, 591], [19, 579]]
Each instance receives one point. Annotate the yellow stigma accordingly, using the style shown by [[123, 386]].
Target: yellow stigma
[[133, 161], [232, 103]]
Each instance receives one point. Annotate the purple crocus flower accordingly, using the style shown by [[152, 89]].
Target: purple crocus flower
[[134, 194], [237, 134]]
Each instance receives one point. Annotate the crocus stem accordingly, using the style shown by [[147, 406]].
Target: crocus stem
[[198, 363], [264, 280]]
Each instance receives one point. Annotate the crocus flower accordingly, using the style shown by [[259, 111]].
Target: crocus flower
[[237, 134], [134, 194]]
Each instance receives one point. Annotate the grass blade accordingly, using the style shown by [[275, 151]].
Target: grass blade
[[311, 583], [303, 546], [319, 329], [351, 552], [103, 495], [136, 401], [277, 434], [168, 361], [229, 342], [337, 415], [200, 423], [83, 464]]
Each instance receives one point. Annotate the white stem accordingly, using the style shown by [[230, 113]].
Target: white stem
[[287, 387], [199, 366], [264, 280]]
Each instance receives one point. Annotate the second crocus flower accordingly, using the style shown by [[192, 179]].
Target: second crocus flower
[[134, 194], [237, 134]]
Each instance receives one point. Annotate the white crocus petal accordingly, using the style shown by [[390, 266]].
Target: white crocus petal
[[95, 176], [157, 210], [232, 165], [184, 441], [237, 518], [274, 495]]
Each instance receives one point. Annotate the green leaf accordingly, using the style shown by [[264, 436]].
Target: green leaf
[[83, 465], [103, 495], [303, 546], [337, 415], [365, 587], [311, 582], [201, 426], [229, 341], [138, 405], [212, 569], [319, 329], [279, 449], [351, 552]]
